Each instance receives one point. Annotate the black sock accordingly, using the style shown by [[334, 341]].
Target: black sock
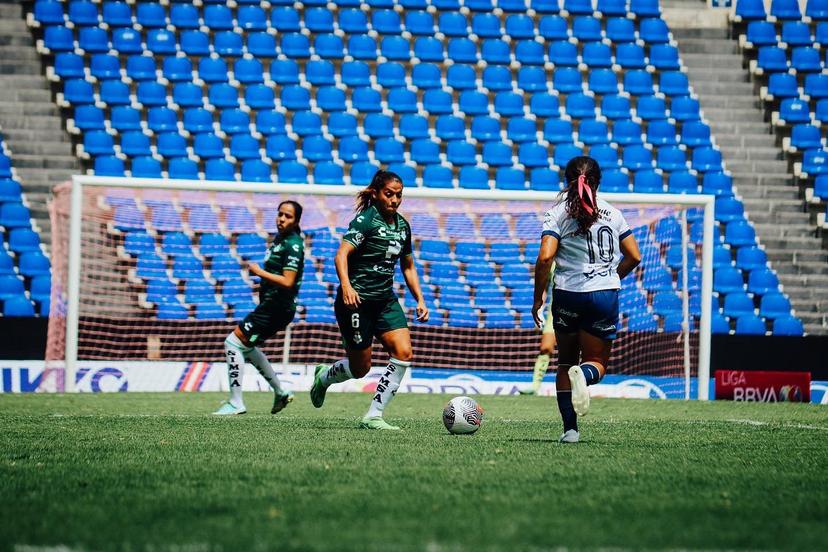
[[570, 419]]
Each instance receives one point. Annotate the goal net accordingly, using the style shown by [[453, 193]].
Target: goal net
[[153, 271]]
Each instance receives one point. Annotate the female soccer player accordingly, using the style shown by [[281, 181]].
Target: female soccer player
[[366, 305], [593, 249], [281, 277]]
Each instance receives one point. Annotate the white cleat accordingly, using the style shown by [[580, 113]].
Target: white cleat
[[570, 436], [580, 391]]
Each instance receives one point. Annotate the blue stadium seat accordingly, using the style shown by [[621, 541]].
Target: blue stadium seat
[[603, 82], [135, 144], [788, 325], [815, 162], [182, 168], [307, 123], [806, 137], [453, 24], [620, 30], [615, 107], [605, 155], [116, 14], [219, 169], [636, 158], [671, 158], [567, 80], [593, 131], [386, 22], [280, 148], [186, 95], [352, 149], [425, 152], [728, 280], [654, 31], [520, 26], [127, 41], [419, 23], [292, 172], [392, 74], [580, 106], [508, 178], [229, 44], [666, 303], [761, 281], [212, 70], [739, 233], [141, 68], [545, 105], [563, 54], [58, 38], [662, 133], [750, 324], [256, 170], [473, 178], [449, 127], [78, 92], [149, 93], [577, 7], [645, 8], [707, 159], [631, 56], [553, 28], [533, 155], [682, 182], [587, 29], [437, 176], [664, 57], [806, 59], [473, 103], [772, 59], [497, 78], [18, 305], [194, 43], [151, 15], [532, 79], [395, 48], [69, 65], [774, 305], [796, 33], [648, 182], [747, 10], [109, 166], [437, 102], [651, 108], [785, 9], [564, 153], [761, 33], [638, 82], [817, 10], [460, 153], [22, 240], [10, 190], [105, 66], [48, 12], [244, 146]]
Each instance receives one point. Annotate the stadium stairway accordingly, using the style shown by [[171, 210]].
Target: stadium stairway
[[31, 122], [760, 175]]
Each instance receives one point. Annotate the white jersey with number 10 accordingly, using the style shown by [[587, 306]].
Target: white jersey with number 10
[[587, 262]]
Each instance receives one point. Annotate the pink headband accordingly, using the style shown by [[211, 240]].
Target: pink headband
[[584, 189]]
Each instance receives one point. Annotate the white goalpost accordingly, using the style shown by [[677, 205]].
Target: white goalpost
[[101, 307]]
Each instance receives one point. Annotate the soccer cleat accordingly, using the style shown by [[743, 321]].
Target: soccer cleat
[[228, 409], [317, 392], [571, 436], [527, 391], [580, 391], [281, 401], [376, 422]]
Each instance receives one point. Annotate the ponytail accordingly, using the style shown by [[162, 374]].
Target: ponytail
[[583, 175], [365, 197]]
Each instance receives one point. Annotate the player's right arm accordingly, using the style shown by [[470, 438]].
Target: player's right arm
[[349, 295], [543, 266], [631, 256]]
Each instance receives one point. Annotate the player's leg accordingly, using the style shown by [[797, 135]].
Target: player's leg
[[392, 331], [568, 355], [542, 361], [598, 329], [234, 351], [356, 328], [278, 320], [566, 310], [398, 344]]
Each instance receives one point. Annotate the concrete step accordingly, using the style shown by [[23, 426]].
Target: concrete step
[[729, 74], [803, 268], [788, 255], [13, 135], [11, 10], [705, 46], [712, 61], [708, 33], [779, 217], [794, 243], [741, 115], [746, 141], [50, 149], [66, 162], [747, 180], [26, 96], [10, 110], [736, 128], [19, 54], [769, 194], [703, 87], [724, 101], [789, 229], [35, 123], [20, 68], [752, 154], [752, 166], [23, 82], [20, 39]]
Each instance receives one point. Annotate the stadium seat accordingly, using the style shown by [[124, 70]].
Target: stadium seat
[[437, 176], [146, 167], [473, 178], [750, 324], [89, 118], [18, 305], [429, 49], [761, 281], [563, 54], [728, 279], [788, 325]]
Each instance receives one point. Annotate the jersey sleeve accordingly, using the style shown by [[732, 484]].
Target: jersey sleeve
[[551, 224], [294, 255], [623, 227], [358, 230], [406, 246]]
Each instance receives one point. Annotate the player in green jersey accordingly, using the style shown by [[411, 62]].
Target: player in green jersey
[[280, 280], [547, 347], [366, 306]]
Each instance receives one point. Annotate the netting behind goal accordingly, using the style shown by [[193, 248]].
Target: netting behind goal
[[160, 277]]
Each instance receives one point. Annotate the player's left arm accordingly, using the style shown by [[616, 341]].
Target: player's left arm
[[412, 280], [631, 255]]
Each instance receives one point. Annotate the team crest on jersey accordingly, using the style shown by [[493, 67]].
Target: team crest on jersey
[[296, 247], [358, 237]]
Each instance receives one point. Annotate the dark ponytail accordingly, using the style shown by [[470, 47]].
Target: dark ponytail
[[583, 175], [365, 198], [297, 211]]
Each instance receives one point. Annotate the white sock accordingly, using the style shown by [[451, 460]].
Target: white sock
[[258, 359], [387, 386], [338, 372], [234, 350]]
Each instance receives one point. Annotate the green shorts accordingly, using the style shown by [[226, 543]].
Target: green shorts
[[265, 320], [372, 318]]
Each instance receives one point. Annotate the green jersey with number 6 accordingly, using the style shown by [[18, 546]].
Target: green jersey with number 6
[[378, 247], [285, 253]]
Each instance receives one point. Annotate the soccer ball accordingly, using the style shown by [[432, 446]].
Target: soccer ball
[[462, 416]]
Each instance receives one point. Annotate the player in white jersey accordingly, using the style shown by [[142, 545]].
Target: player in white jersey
[[593, 249]]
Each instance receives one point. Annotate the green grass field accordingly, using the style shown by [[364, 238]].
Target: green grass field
[[157, 472]]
